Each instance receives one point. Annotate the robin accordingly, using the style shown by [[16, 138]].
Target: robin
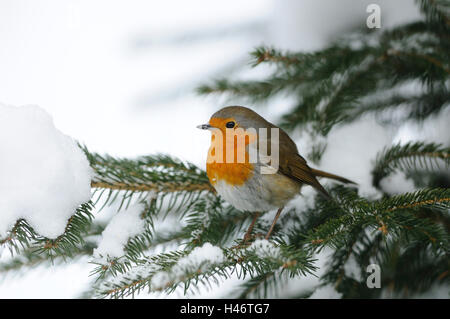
[[242, 182]]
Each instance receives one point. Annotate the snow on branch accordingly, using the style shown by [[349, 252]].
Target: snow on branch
[[45, 176]]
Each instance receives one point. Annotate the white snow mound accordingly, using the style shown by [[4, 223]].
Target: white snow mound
[[44, 175], [123, 226]]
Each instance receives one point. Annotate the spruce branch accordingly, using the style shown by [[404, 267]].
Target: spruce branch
[[268, 285], [28, 259], [144, 177], [411, 156], [134, 248], [268, 54], [245, 262], [23, 236], [414, 107], [209, 215], [393, 216], [253, 286], [331, 85], [437, 12]]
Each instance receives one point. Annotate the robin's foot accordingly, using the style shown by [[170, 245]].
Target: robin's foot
[[274, 222], [248, 240], [247, 237], [248, 234]]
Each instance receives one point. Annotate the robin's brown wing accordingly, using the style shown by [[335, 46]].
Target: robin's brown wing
[[294, 166]]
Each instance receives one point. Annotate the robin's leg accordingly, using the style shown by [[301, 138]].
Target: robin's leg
[[274, 222], [250, 228]]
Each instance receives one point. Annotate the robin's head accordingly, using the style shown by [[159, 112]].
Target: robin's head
[[232, 117], [242, 136]]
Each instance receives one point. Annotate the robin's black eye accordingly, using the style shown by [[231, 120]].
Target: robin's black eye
[[230, 124]]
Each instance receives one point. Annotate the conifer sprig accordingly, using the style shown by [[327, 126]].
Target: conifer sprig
[[243, 263], [408, 157], [144, 177], [346, 80], [23, 236]]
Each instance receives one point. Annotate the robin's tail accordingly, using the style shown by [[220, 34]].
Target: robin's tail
[[319, 173]]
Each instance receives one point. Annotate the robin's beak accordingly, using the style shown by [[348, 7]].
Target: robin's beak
[[204, 127]]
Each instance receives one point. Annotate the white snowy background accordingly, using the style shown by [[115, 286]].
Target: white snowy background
[[119, 77]]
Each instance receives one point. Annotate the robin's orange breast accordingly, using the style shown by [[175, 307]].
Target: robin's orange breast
[[228, 160], [235, 174]]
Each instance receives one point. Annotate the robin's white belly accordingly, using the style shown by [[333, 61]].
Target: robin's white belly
[[259, 193]]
